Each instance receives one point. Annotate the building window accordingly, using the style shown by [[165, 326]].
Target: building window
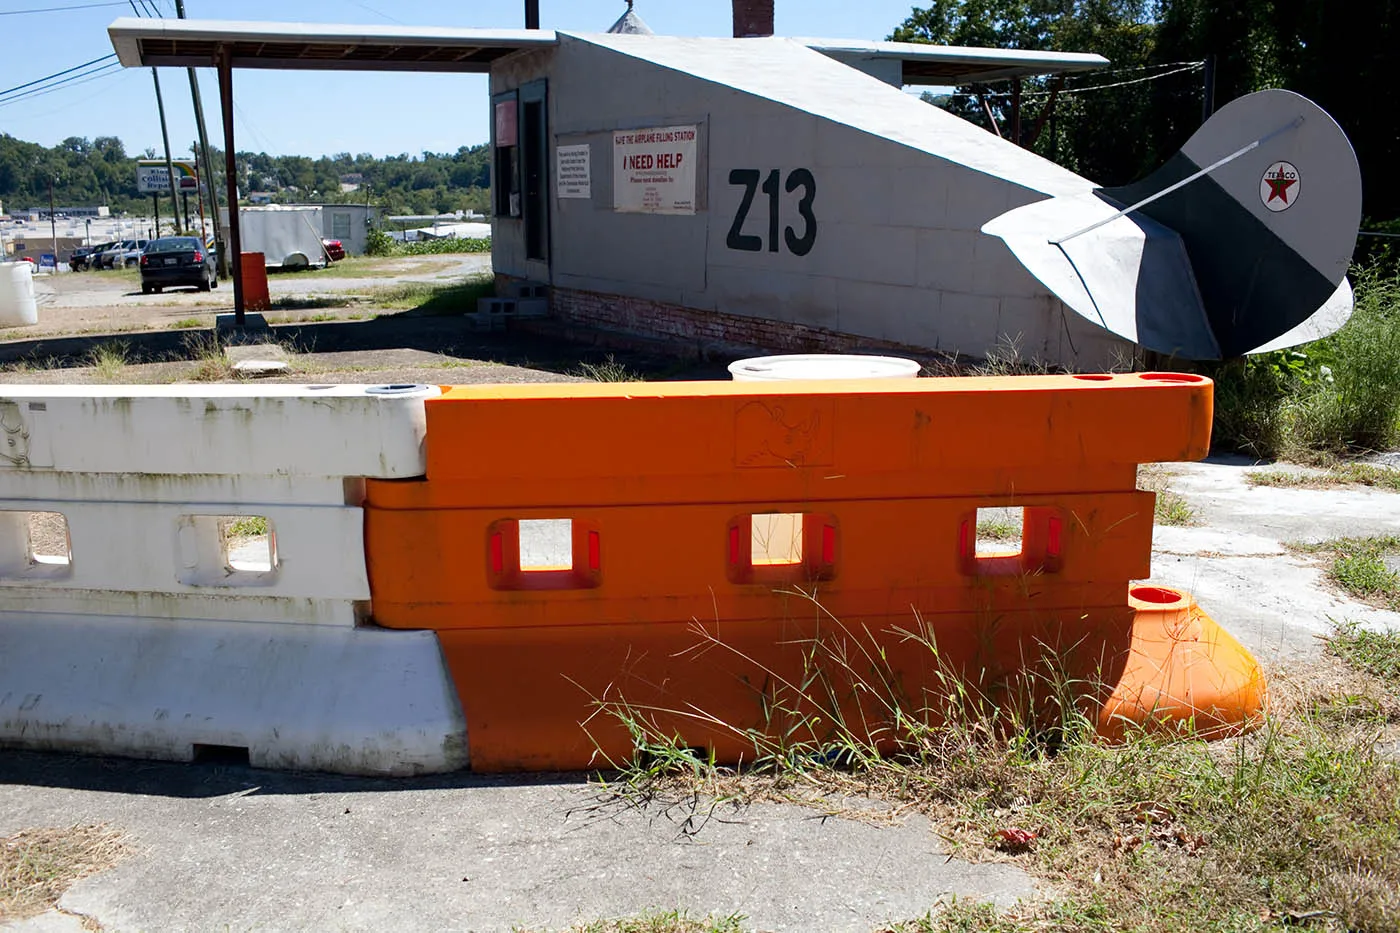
[[340, 225], [505, 178]]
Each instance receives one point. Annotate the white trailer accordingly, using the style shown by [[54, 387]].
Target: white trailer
[[288, 237]]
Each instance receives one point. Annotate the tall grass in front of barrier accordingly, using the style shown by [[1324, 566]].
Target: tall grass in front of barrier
[[1335, 397], [1298, 821]]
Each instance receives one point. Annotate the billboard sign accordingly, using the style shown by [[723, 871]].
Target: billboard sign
[[151, 176]]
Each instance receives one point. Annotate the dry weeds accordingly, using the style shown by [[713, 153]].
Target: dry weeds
[[38, 865]]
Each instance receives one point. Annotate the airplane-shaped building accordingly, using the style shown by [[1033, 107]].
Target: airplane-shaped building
[[786, 195]]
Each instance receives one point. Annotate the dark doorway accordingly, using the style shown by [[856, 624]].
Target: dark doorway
[[535, 146]]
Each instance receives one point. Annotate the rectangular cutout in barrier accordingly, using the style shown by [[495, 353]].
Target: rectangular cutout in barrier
[[1000, 531], [228, 550], [777, 548], [1012, 540], [776, 539], [35, 545], [544, 554], [546, 544], [248, 543]]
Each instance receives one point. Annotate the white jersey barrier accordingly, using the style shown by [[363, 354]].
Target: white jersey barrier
[[182, 571]]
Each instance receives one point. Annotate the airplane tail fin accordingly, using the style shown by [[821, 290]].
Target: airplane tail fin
[[1238, 244]]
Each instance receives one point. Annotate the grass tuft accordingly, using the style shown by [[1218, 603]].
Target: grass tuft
[[1375, 653], [672, 921], [610, 370], [1358, 567], [1348, 474], [1170, 507], [38, 865], [211, 365], [110, 359], [187, 323]]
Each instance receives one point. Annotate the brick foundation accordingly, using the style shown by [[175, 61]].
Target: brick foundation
[[695, 333]]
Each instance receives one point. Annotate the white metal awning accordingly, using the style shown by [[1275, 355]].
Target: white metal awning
[[192, 42]]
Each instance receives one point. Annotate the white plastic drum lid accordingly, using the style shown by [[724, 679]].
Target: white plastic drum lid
[[822, 366]]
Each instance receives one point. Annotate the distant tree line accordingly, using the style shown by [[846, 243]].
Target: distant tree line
[[1341, 55], [99, 171]]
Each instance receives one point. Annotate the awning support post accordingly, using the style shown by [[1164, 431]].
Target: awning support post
[[224, 61]]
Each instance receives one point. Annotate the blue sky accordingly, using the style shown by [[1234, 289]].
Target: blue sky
[[314, 113]]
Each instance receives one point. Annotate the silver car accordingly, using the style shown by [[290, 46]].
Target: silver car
[[121, 255]]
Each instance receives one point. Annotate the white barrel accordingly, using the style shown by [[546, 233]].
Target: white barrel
[[17, 305], [822, 366]]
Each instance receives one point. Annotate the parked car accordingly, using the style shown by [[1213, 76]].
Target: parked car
[[177, 260], [131, 255], [334, 251], [79, 260], [90, 261], [120, 254]]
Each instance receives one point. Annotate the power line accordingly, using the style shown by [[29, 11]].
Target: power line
[[62, 9], [103, 72], [79, 78], [57, 74], [1188, 66]]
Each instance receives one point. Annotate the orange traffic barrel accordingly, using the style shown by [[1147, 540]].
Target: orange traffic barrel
[[253, 271]]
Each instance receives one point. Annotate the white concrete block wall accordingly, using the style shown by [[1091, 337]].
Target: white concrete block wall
[[153, 638]]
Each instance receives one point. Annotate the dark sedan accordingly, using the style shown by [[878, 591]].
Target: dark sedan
[[177, 260]]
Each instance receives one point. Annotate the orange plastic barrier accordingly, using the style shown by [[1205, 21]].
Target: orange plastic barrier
[[253, 270], [667, 603]]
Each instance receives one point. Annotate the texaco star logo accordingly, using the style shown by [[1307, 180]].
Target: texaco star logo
[[1280, 186]]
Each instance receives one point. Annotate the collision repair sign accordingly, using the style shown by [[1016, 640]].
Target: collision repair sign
[[654, 170]]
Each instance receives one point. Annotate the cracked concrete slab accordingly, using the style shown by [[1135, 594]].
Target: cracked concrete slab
[[235, 848], [1276, 602]]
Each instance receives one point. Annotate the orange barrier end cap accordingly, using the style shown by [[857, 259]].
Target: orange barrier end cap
[[1184, 672]]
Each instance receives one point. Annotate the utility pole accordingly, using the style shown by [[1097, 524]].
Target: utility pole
[[169, 166], [53, 225], [207, 162]]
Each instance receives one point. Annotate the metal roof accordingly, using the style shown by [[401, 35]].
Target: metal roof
[[951, 64], [191, 42]]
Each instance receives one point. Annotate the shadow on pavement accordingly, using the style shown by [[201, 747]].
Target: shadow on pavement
[[197, 780], [450, 336]]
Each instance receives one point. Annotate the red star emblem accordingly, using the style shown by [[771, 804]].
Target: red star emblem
[[1278, 187]]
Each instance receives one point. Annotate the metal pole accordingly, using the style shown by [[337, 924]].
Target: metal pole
[[208, 161], [1016, 111], [532, 14], [53, 227], [169, 166], [155, 205], [225, 64]]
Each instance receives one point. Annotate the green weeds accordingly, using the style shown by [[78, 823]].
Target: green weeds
[[1159, 832], [1358, 566], [610, 370], [1345, 474], [1337, 396]]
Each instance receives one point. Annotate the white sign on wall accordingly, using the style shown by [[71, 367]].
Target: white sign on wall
[[573, 173], [654, 170]]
